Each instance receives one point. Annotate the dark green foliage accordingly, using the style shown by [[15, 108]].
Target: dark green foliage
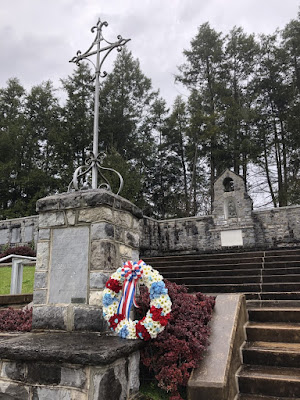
[[242, 112]]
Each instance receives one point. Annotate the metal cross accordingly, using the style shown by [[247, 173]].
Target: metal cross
[[93, 163]]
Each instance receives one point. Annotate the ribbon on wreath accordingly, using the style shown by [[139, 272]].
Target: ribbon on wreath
[[132, 272]]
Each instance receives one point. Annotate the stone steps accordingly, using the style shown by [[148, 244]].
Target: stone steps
[[271, 355], [269, 381], [270, 281]]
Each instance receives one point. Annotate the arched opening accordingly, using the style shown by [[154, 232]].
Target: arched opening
[[228, 184]]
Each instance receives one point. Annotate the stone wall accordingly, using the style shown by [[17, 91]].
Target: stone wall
[[275, 228], [19, 231]]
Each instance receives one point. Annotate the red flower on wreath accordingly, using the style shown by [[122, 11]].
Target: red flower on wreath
[[115, 319], [156, 316], [113, 285], [141, 332]]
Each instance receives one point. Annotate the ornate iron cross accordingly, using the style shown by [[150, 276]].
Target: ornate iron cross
[[81, 177]]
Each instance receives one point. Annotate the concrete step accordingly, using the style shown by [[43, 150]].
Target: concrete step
[[276, 258], [274, 354], [226, 288], [196, 280], [243, 396], [278, 296], [274, 314], [183, 272], [273, 332], [204, 256], [254, 304], [269, 381], [212, 261], [206, 268]]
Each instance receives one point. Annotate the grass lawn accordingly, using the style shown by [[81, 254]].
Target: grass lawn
[[28, 279]]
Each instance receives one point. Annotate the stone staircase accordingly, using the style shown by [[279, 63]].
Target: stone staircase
[[270, 281]]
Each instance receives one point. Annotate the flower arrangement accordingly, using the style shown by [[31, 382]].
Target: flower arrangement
[[119, 295]]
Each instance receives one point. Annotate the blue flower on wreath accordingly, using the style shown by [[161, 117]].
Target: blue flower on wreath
[[107, 300], [123, 333], [157, 289]]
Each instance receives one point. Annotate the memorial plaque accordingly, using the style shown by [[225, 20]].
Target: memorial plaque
[[69, 264], [232, 238]]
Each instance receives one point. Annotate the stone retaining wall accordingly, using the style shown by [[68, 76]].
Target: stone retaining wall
[[19, 231], [275, 228]]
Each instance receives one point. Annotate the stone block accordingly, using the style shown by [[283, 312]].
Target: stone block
[[95, 214], [28, 233], [4, 234], [44, 234], [109, 384], [40, 296], [98, 280], [102, 230], [49, 219], [96, 298], [132, 239], [16, 235], [45, 393], [125, 252], [13, 370], [119, 233], [42, 255], [123, 218], [69, 264], [104, 255], [88, 319], [73, 377], [71, 217], [49, 317], [13, 391], [134, 372], [40, 280], [43, 373]]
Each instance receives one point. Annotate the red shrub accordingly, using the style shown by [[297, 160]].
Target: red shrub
[[19, 250], [179, 348], [15, 320]]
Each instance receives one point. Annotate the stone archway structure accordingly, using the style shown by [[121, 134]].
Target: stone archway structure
[[232, 211]]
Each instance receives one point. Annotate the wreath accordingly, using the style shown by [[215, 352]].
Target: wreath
[[119, 295]]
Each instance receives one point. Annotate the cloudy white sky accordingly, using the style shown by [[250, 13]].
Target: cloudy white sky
[[38, 37]]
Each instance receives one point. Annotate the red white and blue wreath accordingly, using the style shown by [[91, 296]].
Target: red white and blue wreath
[[119, 295]]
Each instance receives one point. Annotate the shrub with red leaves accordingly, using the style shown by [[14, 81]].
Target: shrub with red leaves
[[19, 250], [180, 347], [15, 320]]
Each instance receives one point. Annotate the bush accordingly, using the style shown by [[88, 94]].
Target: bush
[[19, 250], [15, 320], [180, 347]]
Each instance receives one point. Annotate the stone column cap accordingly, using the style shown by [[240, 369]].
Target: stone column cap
[[84, 348], [86, 198]]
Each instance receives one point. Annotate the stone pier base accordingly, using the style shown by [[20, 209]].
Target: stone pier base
[[68, 366]]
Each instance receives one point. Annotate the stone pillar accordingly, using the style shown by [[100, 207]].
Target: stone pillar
[[83, 237], [232, 212]]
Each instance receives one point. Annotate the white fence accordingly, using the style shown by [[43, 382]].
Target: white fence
[[17, 271]]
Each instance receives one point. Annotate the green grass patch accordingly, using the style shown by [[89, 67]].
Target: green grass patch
[[152, 392], [28, 279]]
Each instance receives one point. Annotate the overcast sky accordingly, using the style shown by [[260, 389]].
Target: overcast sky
[[38, 37]]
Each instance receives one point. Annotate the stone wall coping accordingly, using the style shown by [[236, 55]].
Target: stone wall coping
[[84, 348], [86, 199], [193, 218], [13, 220], [214, 379], [277, 209]]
